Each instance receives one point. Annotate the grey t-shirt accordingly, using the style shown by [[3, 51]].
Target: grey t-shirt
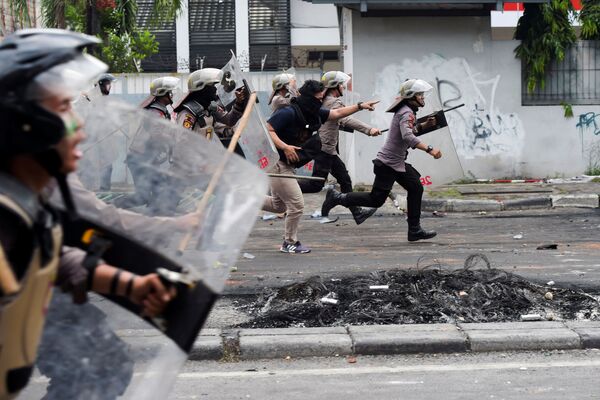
[[401, 137]]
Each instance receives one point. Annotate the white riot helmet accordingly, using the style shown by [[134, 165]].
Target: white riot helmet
[[164, 85], [332, 79], [408, 90], [198, 80], [281, 81]]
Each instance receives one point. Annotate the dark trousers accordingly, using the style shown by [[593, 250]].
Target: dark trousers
[[384, 180], [324, 165]]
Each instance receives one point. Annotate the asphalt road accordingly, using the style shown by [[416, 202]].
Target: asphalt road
[[344, 248], [556, 375]]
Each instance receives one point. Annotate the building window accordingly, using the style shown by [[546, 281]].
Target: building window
[[166, 58], [270, 37], [212, 33], [574, 80]]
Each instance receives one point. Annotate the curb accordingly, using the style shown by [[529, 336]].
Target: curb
[[542, 202], [253, 344]]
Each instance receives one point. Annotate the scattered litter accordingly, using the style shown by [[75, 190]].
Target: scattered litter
[[462, 293], [330, 298], [550, 316], [249, 256], [260, 277], [482, 212], [430, 293], [326, 220], [438, 214], [269, 217], [582, 178], [518, 237], [552, 246], [523, 368], [379, 287], [548, 296], [233, 269], [394, 197], [335, 280], [288, 357], [316, 214], [531, 317], [550, 283], [351, 359]]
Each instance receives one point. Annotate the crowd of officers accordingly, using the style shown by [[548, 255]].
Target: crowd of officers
[[38, 146], [313, 112]]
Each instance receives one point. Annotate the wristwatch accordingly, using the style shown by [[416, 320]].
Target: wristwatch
[[359, 104], [429, 149]]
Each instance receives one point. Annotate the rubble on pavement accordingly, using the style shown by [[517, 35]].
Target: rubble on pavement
[[430, 294]]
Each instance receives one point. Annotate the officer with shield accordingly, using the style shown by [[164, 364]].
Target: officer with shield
[[41, 71], [328, 161], [284, 89], [152, 150], [199, 109], [390, 164]]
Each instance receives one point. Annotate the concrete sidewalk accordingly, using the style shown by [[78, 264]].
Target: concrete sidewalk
[[484, 197], [250, 344]]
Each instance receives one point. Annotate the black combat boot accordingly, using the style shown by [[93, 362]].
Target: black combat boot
[[332, 199], [417, 233], [361, 214]]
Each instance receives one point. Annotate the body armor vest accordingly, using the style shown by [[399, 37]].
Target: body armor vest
[[160, 107], [23, 309], [204, 124]]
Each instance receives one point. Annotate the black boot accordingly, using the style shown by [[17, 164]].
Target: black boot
[[417, 233], [332, 199], [361, 214]]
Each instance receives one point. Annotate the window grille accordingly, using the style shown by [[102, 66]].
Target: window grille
[[270, 37], [573, 80], [212, 33]]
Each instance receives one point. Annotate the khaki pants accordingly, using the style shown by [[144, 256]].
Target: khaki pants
[[286, 196]]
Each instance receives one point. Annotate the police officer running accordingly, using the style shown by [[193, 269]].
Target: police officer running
[[41, 71], [289, 128], [390, 164], [328, 161], [199, 109], [284, 89]]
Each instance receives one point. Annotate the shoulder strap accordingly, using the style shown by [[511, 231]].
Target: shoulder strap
[[160, 107]]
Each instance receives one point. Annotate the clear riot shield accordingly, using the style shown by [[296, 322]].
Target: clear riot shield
[[446, 169], [91, 348], [255, 140]]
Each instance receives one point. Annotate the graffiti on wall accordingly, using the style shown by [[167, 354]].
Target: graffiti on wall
[[588, 126], [479, 128]]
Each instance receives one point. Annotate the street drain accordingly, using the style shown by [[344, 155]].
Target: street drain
[[433, 294]]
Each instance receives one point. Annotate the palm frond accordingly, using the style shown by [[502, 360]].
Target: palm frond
[[19, 9], [53, 13], [165, 11]]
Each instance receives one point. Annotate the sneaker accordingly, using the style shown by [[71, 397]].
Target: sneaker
[[295, 248]]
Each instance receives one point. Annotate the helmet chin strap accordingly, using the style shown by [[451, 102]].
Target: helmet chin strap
[[52, 163]]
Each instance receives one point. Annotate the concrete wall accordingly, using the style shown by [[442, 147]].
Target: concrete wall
[[494, 135]]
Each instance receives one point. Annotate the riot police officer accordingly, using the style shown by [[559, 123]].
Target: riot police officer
[[199, 109], [284, 89], [328, 161], [41, 71], [390, 164]]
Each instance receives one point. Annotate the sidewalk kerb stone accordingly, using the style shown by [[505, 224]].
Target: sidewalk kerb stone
[[588, 331], [336, 330], [576, 200], [458, 205], [520, 336], [207, 347], [295, 346], [434, 205], [528, 203], [404, 339]]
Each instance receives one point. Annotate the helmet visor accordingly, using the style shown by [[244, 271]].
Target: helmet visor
[[69, 78]]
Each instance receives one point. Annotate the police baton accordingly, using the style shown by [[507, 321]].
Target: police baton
[[308, 178]]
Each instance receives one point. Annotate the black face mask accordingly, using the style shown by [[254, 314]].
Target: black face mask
[[207, 95], [310, 106]]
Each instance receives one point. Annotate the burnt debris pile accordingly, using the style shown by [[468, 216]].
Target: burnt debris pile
[[431, 294]]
